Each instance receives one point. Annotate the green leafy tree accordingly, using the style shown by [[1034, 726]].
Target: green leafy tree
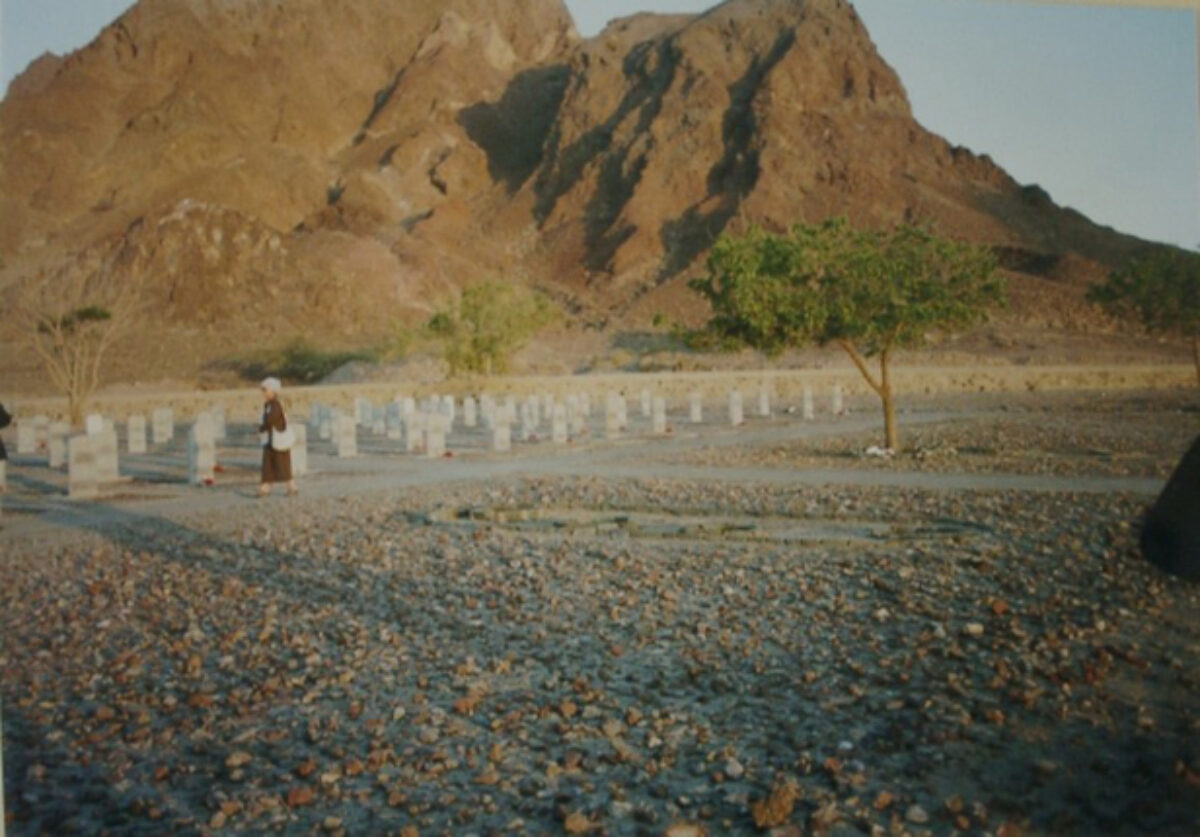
[[489, 323], [1162, 287], [871, 292]]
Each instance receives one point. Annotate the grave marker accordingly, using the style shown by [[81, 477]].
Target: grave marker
[[82, 481], [26, 438], [658, 410], [810, 411], [135, 434], [107, 453], [163, 425], [345, 436], [501, 436], [435, 438], [558, 424], [201, 451], [300, 450], [695, 408], [59, 433]]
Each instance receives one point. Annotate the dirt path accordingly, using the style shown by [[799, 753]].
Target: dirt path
[[635, 457]]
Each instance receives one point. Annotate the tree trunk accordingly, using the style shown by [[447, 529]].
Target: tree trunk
[[75, 409], [882, 388], [890, 430]]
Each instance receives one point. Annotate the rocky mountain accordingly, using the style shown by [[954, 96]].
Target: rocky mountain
[[326, 168]]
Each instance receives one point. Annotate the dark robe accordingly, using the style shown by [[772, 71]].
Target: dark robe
[[276, 464], [5, 421]]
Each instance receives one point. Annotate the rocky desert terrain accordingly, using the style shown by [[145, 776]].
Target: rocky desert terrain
[[718, 631]]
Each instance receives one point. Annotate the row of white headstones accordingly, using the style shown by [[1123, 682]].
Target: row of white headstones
[[92, 458], [422, 427]]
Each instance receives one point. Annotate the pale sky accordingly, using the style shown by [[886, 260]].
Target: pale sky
[[1099, 106]]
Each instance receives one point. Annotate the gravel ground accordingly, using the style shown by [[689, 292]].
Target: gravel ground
[[609, 657], [1138, 434]]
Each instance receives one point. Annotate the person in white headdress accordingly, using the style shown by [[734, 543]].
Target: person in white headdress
[[277, 439]]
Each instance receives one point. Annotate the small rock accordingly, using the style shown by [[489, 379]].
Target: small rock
[[916, 815], [973, 629], [238, 759]]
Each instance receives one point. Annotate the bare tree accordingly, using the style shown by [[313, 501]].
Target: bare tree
[[70, 317]]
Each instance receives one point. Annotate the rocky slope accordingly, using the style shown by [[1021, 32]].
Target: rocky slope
[[328, 168]]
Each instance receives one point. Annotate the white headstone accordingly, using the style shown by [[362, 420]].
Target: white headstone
[[93, 424], [163, 425], [487, 410], [764, 402], [325, 430], [658, 410], [809, 411], [529, 422], [647, 403], [408, 408], [394, 422], [300, 450], [558, 424], [107, 452], [838, 401], [435, 439], [612, 416], [695, 408], [736, 414], [379, 421], [82, 481], [362, 411], [622, 412], [470, 417], [201, 451], [501, 436], [345, 436], [585, 404], [26, 438], [135, 434], [219, 425], [58, 450], [59, 433], [414, 432]]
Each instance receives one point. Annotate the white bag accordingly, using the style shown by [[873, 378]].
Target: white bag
[[283, 440]]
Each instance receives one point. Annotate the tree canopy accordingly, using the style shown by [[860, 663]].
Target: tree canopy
[[869, 291], [1160, 286], [833, 283], [489, 323]]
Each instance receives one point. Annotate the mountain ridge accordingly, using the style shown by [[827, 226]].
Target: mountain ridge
[[327, 168]]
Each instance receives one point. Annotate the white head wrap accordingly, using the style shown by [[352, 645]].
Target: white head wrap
[[273, 384]]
